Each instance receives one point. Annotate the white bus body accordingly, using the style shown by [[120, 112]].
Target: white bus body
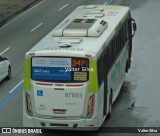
[[74, 74]]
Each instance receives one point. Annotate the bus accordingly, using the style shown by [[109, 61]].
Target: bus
[[74, 74]]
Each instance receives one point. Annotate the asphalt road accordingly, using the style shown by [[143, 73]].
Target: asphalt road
[[141, 84]]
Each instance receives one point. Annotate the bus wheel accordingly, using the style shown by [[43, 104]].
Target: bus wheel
[[110, 106]]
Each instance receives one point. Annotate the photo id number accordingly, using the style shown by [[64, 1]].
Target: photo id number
[[73, 95]]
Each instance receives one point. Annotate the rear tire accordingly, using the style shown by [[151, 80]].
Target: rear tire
[[9, 73]]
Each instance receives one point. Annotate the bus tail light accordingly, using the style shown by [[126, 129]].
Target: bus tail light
[[28, 103], [91, 106]]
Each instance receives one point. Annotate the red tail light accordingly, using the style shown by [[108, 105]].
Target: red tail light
[[28, 103], [44, 84], [91, 105], [74, 85]]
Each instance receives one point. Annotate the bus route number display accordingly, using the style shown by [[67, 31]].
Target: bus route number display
[[59, 69], [78, 63]]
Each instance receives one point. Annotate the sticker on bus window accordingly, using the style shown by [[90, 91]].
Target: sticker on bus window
[[81, 76]]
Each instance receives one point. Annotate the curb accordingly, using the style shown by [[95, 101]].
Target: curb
[[17, 12]]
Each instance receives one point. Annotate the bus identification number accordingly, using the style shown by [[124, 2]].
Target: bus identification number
[[73, 95]]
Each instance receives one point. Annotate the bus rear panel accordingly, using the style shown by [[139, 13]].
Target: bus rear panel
[[59, 96]]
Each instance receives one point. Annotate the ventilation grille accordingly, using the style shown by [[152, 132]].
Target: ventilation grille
[[83, 28]]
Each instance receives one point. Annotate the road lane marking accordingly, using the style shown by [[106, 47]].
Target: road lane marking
[[23, 13], [11, 91], [4, 51], [36, 27], [63, 7], [9, 98]]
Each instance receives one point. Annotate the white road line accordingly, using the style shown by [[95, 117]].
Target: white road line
[[63, 7], [37, 27], [11, 91], [5, 51], [23, 13]]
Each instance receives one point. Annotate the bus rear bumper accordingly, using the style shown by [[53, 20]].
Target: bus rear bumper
[[80, 124]]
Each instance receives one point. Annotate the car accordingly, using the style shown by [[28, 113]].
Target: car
[[5, 68]]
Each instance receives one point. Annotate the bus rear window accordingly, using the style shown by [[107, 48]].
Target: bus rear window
[[60, 69]]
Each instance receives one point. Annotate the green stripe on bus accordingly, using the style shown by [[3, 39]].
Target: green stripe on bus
[[27, 74], [93, 82]]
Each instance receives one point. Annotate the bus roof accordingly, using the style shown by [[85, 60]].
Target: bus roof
[[87, 30]]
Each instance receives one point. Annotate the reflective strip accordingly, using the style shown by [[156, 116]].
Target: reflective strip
[[27, 74], [93, 80]]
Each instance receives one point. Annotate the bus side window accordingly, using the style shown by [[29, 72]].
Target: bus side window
[[123, 34], [110, 56], [100, 70], [127, 25], [113, 51], [106, 57]]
